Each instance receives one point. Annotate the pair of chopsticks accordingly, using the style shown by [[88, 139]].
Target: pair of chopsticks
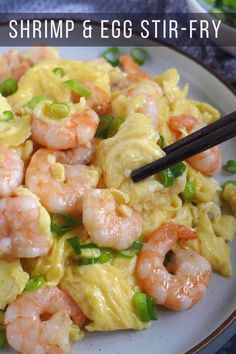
[[201, 140]]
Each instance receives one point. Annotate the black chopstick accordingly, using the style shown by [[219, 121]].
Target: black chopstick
[[201, 132], [218, 134]]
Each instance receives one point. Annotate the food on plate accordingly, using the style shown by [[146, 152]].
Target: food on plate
[[83, 247]]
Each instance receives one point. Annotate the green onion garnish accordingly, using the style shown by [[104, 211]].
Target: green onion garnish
[[59, 110], [226, 183], [59, 71], [8, 87], [145, 307], [75, 244], [3, 339], [139, 55], [112, 55], [178, 169], [152, 309], [231, 166], [62, 223], [114, 126], [33, 103], [189, 192], [167, 176], [105, 256], [103, 126], [78, 88], [132, 250], [7, 116], [162, 142], [35, 283], [87, 261]]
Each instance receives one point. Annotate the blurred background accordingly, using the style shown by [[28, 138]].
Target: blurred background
[[220, 61]]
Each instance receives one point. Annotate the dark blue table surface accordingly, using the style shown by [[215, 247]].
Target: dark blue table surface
[[222, 63]]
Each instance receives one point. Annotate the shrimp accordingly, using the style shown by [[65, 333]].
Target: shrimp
[[20, 232], [76, 129], [83, 154], [192, 272], [107, 227], [39, 322], [37, 54], [15, 64], [11, 171], [207, 162], [132, 69], [99, 100], [148, 91], [59, 187], [12, 64]]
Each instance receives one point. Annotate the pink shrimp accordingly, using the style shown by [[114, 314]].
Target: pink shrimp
[[21, 234], [208, 162], [40, 321], [15, 64], [105, 226], [11, 171], [99, 100], [132, 69], [76, 129], [59, 193], [148, 91], [192, 272]]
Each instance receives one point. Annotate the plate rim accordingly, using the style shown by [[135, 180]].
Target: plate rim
[[232, 317]]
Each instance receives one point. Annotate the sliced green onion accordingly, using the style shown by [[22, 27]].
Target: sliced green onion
[[226, 183], [114, 126], [166, 177], [3, 339], [8, 87], [90, 252], [140, 304], [189, 192], [132, 250], [103, 126], [35, 283], [33, 103], [152, 308], [178, 169], [78, 88], [145, 307], [162, 142], [59, 110], [62, 223], [87, 261], [75, 244], [139, 55], [231, 166], [7, 116], [105, 256], [112, 55], [59, 71]]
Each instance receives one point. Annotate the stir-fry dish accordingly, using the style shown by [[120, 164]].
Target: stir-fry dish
[[82, 247]]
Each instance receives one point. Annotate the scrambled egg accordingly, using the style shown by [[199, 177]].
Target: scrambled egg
[[12, 279], [104, 295], [40, 80], [229, 195], [13, 132], [213, 248]]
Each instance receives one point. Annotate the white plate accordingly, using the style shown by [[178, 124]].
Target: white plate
[[174, 332]]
